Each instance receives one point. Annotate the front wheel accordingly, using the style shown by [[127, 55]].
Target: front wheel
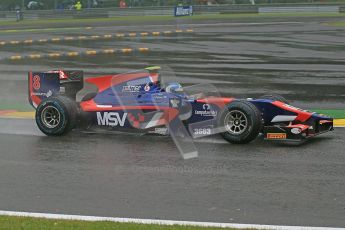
[[56, 116], [241, 122]]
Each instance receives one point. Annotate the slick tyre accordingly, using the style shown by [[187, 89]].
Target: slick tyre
[[56, 116], [275, 97], [241, 121]]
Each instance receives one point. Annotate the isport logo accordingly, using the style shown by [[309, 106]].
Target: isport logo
[[207, 111], [111, 119]]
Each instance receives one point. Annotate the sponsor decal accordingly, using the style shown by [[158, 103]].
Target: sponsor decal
[[36, 82], [147, 87], [62, 74], [140, 81], [174, 102], [276, 136], [159, 96], [111, 119], [38, 94], [206, 112], [183, 10], [296, 130], [131, 88], [161, 130], [202, 131], [295, 108], [47, 94], [206, 107], [321, 122]]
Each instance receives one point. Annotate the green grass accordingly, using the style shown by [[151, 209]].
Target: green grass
[[26, 223], [43, 29], [164, 18], [335, 113], [336, 23], [16, 106]]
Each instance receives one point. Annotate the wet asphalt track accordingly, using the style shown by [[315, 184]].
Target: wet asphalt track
[[301, 60], [144, 176]]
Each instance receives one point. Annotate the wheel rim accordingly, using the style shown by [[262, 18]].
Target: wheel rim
[[235, 122], [50, 117]]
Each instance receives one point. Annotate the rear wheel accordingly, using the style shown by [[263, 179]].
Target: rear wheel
[[241, 121], [56, 116], [275, 97]]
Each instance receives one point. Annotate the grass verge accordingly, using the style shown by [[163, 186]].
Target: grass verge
[[28, 223], [16, 106], [166, 18], [335, 113], [341, 24]]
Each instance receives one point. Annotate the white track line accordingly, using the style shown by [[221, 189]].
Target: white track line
[[161, 222]]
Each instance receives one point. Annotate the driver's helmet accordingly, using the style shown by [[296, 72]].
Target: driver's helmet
[[174, 88]]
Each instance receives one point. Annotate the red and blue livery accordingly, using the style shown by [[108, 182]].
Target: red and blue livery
[[138, 102]]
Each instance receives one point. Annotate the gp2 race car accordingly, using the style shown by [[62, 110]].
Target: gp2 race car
[[138, 101]]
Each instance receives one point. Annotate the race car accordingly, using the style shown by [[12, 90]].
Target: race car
[[137, 101]]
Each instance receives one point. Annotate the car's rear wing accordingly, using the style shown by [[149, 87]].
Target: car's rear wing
[[46, 84]]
